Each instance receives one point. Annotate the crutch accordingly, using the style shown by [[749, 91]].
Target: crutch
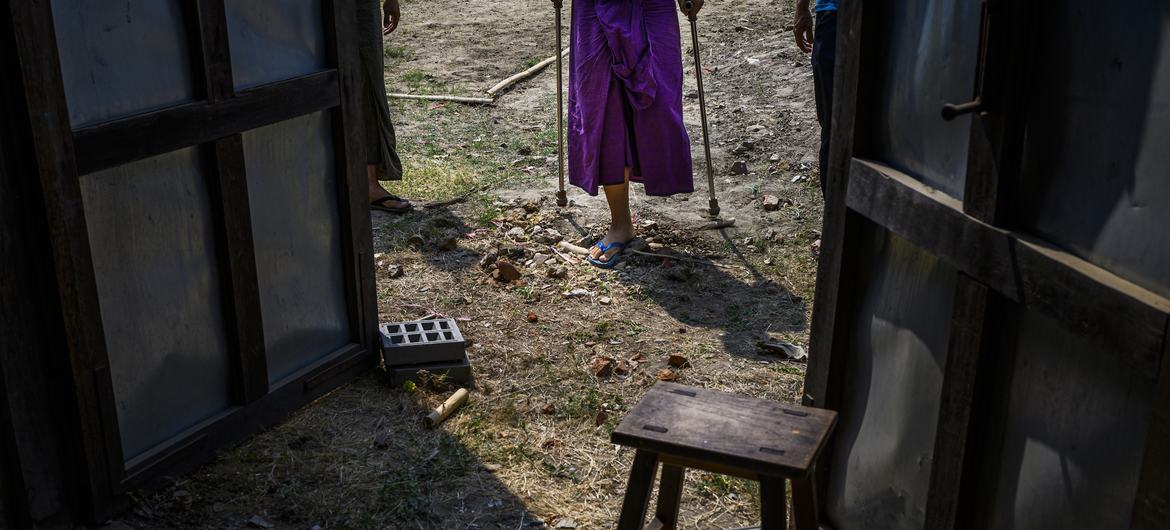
[[714, 203], [562, 199]]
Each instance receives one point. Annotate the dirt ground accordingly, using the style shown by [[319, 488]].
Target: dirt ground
[[532, 447]]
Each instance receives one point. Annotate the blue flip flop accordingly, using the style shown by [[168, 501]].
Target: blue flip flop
[[614, 259]]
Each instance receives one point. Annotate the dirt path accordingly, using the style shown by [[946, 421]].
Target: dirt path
[[533, 446]]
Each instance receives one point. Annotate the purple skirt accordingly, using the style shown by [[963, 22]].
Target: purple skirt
[[625, 97]]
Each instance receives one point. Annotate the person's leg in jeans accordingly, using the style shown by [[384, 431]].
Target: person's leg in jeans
[[823, 59]]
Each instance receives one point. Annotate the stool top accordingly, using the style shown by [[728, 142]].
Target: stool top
[[699, 425]]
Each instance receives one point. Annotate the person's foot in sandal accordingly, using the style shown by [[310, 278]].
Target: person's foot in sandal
[[383, 200], [621, 227]]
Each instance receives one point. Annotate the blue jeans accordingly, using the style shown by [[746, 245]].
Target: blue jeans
[[823, 58]]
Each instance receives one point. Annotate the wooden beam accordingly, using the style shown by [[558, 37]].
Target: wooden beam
[[229, 189], [351, 160], [1086, 299], [137, 137], [833, 305], [99, 451]]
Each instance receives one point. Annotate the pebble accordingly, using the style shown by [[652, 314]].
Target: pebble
[[538, 259], [516, 233], [771, 203], [739, 168]]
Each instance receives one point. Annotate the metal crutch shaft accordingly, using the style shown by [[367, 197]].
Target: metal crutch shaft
[[562, 198], [714, 202]]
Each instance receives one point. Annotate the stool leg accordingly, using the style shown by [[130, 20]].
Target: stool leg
[[773, 504], [804, 503], [638, 491], [670, 496]]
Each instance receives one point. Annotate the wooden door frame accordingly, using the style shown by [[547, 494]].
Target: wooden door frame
[[214, 122], [998, 267]]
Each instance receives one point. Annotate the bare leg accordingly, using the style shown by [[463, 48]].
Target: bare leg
[[621, 226], [378, 192]]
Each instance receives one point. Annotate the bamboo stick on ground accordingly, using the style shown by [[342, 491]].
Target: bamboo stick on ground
[[453, 99], [439, 415], [502, 85]]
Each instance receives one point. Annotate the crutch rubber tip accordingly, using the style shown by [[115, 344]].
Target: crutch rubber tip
[[714, 207], [562, 199]]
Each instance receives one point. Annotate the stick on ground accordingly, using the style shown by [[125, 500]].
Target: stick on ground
[[437, 416], [453, 99], [502, 85]]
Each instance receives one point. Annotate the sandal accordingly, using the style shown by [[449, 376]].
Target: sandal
[[380, 204], [613, 260]]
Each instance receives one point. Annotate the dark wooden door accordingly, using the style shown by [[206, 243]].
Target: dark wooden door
[[991, 312], [201, 186]]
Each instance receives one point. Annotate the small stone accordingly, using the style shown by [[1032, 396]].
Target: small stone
[[774, 158], [666, 374], [506, 272], [382, 440], [739, 168], [601, 366], [549, 409], [532, 206], [258, 522], [578, 293], [743, 148], [538, 259], [489, 259], [548, 237], [682, 330], [532, 317], [767, 261], [749, 241], [692, 95], [605, 300], [771, 234], [649, 224], [394, 271], [678, 361], [771, 203], [558, 272], [515, 234], [622, 369]]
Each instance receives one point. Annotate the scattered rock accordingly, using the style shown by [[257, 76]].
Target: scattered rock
[[666, 374], [516, 253], [538, 259], [682, 330], [623, 369], [489, 259], [601, 366], [649, 224], [532, 206], [678, 361], [771, 203], [605, 300], [558, 272], [638, 358], [742, 148], [786, 349], [739, 168], [258, 522], [382, 440], [774, 158], [799, 178], [767, 261], [577, 293], [548, 237], [549, 409], [532, 317], [692, 95], [566, 522], [771, 234], [515, 234], [600, 418], [506, 272], [394, 271]]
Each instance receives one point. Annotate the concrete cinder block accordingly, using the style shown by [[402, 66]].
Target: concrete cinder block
[[454, 372], [423, 341]]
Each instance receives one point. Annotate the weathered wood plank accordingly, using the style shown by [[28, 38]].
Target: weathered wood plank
[[1085, 298], [99, 457], [766, 437], [670, 489], [351, 156], [773, 505], [126, 140], [1151, 509]]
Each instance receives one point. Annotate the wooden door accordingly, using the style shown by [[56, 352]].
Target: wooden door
[[201, 181], [991, 312]]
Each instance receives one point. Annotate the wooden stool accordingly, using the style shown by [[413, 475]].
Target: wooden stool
[[684, 427]]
